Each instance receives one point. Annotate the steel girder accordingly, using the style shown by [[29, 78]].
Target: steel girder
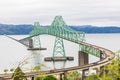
[[90, 50], [59, 48], [59, 29], [36, 42]]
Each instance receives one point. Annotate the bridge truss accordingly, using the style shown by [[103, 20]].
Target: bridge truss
[[59, 29]]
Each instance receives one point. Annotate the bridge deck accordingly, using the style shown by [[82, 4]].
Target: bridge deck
[[59, 29]]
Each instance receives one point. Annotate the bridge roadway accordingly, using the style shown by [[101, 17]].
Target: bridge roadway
[[16, 40], [109, 55]]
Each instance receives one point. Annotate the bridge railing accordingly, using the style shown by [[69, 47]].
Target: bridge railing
[[91, 50]]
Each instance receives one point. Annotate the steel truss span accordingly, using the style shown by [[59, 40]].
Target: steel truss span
[[59, 29]]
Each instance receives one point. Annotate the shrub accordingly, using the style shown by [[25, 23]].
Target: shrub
[[50, 77], [40, 78]]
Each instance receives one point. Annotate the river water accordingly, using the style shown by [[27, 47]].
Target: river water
[[13, 53]]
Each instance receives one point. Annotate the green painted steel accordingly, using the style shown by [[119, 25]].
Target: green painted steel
[[36, 39], [36, 42], [59, 29], [59, 48], [90, 50], [36, 29]]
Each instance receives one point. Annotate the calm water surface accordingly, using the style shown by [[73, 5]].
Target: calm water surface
[[12, 52]]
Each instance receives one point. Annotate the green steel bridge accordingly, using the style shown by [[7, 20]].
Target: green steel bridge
[[61, 31]]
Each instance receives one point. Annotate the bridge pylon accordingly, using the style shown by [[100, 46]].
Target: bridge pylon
[[34, 42], [59, 50]]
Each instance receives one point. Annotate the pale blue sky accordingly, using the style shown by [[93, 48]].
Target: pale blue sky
[[74, 12]]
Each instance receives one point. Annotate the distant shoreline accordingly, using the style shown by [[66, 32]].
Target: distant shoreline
[[88, 29], [85, 33]]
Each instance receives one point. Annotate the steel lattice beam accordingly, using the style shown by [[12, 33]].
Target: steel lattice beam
[[59, 29], [59, 48]]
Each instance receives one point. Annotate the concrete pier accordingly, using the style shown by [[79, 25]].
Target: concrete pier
[[58, 58], [37, 49], [103, 72], [30, 43], [32, 48], [101, 55], [82, 58], [32, 78], [84, 74], [63, 76]]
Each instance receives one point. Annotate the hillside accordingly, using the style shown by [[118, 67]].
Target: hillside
[[96, 29], [15, 29], [25, 29]]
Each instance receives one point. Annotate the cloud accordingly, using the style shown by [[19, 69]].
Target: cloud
[[75, 12]]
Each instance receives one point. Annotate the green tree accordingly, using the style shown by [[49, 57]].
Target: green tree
[[18, 74], [40, 78], [93, 77], [36, 68], [75, 75], [12, 69], [112, 70], [50, 77], [5, 70], [107, 78]]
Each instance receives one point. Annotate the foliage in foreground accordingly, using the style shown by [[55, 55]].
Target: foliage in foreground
[[40, 78], [93, 77], [108, 72], [75, 75], [48, 77], [112, 70], [18, 74]]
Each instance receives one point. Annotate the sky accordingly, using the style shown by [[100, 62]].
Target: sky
[[74, 12]]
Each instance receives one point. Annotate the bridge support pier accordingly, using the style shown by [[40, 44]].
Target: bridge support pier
[[101, 55], [102, 73], [63, 76], [35, 45], [82, 58], [32, 78], [30, 43], [98, 70], [84, 73]]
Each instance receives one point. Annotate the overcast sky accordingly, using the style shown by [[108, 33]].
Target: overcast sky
[[74, 12]]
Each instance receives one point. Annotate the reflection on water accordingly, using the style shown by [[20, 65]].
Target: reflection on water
[[36, 57], [36, 60]]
